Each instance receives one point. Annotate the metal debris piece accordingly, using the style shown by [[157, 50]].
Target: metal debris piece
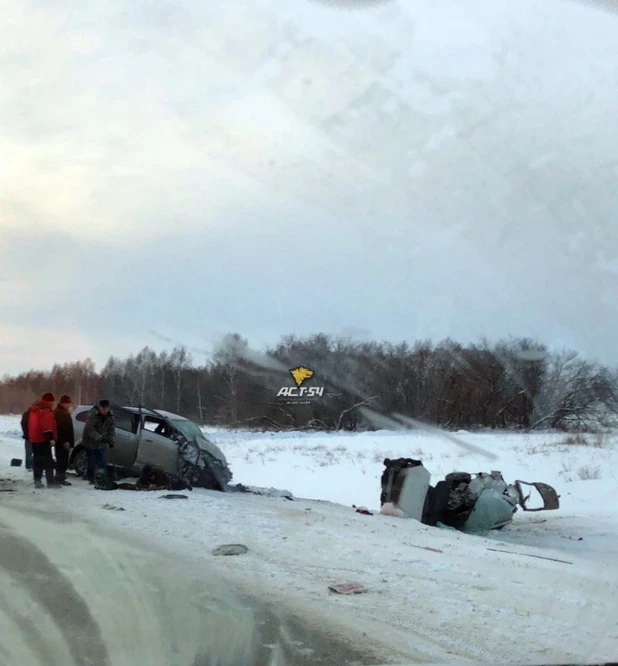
[[551, 499], [538, 557], [231, 549], [348, 588], [433, 550]]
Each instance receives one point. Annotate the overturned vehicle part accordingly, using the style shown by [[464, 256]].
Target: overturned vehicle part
[[467, 502]]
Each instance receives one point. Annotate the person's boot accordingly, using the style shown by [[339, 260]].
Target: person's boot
[[61, 480], [38, 483], [49, 477]]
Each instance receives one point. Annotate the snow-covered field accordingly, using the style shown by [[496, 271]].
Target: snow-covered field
[[459, 602]]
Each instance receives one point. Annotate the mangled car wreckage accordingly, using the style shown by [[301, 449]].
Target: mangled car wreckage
[[466, 502], [161, 439]]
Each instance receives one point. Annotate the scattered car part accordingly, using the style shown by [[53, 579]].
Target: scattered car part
[[348, 588], [264, 492], [551, 499], [405, 482], [231, 549], [538, 557]]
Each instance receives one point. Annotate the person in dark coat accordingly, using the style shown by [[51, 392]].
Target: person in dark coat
[[42, 434], [66, 438], [27, 444], [99, 436]]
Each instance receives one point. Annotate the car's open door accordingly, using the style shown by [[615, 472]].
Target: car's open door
[[156, 445], [125, 449], [548, 496]]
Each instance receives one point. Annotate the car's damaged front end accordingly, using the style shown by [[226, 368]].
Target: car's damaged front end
[[202, 464]]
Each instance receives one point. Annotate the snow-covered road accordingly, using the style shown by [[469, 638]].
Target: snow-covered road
[[458, 602], [74, 592]]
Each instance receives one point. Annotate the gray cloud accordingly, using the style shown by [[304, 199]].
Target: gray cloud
[[412, 170]]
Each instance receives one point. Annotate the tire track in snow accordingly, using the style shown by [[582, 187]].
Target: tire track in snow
[[34, 571]]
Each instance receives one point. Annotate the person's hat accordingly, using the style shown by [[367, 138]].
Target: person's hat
[[65, 400], [48, 397], [103, 403]]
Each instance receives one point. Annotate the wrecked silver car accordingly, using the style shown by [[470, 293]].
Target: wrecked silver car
[[161, 439], [467, 502]]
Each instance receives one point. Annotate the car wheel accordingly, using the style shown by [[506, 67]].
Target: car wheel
[[79, 462]]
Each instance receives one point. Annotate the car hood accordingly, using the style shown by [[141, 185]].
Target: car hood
[[212, 449]]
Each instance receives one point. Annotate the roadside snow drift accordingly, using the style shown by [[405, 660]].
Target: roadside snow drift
[[432, 595]]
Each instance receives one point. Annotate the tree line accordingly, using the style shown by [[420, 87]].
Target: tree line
[[516, 383]]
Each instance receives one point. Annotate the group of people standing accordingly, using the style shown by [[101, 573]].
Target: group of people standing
[[48, 431]]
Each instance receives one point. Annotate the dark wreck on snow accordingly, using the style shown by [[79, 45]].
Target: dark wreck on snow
[[467, 502]]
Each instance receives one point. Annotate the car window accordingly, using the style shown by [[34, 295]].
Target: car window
[[158, 426], [82, 416], [124, 420]]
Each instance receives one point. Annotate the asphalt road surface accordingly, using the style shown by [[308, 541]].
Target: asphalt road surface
[[73, 593]]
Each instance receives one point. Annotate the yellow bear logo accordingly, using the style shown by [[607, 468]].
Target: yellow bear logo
[[301, 374]]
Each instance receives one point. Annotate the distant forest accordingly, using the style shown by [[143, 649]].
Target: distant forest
[[515, 384]]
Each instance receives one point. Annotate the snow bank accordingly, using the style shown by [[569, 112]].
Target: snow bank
[[434, 596], [346, 467]]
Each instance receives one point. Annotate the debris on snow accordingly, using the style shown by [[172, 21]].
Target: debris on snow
[[538, 557], [264, 492], [433, 550], [389, 509], [348, 588], [471, 503], [231, 549]]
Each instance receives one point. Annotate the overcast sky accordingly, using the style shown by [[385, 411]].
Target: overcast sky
[[412, 169]]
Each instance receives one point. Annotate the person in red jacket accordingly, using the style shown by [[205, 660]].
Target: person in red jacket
[[42, 434]]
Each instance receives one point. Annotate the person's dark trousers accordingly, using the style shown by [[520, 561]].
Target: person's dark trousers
[[62, 463], [97, 459], [28, 447], [42, 461]]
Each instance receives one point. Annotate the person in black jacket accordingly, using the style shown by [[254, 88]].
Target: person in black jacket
[[99, 436], [27, 444], [66, 438]]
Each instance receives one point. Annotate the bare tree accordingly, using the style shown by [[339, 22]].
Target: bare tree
[[180, 362]]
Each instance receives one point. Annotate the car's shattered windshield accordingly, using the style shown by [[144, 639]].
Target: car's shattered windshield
[[188, 429]]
